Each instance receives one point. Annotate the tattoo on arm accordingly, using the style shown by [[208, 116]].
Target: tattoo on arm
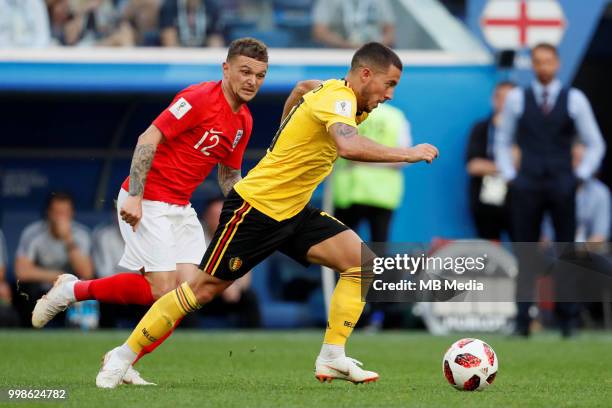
[[344, 130], [141, 163], [227, 178]]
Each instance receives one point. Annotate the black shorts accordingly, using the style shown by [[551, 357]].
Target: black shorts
[[246, 236]]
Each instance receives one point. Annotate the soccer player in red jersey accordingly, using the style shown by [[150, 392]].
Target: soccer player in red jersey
[[206, 125]]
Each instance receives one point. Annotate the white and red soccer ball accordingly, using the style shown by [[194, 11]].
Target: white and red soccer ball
[[470, 365]]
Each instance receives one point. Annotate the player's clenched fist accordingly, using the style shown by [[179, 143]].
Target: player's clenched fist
[[131, 211], [421, 152]]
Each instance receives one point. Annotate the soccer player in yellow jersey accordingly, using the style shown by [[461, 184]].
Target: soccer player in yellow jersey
[[268, 210]]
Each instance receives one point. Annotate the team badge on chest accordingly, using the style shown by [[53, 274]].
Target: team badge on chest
[[237, 138]]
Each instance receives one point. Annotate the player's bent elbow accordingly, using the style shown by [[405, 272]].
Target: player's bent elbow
[[151, 136], [346, 151], [343, 152]]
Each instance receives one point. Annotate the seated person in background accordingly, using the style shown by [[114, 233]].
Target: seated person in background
[[143, 18], [352, 23], [8, 316], [24, 24], [238, 302], [593, 209], [107, 250], [88, 22], [592, 205], [190, 23], [49, 248]]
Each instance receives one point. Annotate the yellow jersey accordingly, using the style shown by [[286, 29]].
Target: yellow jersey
[[302, 153]]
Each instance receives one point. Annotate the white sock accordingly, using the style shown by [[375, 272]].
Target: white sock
[[69, 290], [331, 351], [124, 352]]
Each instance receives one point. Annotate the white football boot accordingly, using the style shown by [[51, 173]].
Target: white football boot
[[343, 368], [132, 377], [113, 370], [59, 297]]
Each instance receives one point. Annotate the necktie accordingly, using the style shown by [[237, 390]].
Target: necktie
[[545, 103]]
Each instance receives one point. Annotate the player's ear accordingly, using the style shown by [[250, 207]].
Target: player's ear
[[366, 74], [226, 67]]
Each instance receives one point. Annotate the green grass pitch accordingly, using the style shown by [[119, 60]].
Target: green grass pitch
[[275, 369]]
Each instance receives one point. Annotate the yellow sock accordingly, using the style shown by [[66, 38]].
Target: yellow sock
[[161, 317], [345, 308]]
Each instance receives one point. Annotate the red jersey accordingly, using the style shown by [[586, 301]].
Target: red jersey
[[200, 131]]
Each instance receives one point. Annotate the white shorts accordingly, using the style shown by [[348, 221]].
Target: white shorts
[[166, 235]]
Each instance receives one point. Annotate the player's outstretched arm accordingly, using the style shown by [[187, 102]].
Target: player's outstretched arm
[[352, 146], [131, 211], [227, 178], [300, 89]]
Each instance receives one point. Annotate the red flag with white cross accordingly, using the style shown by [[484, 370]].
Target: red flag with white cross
[[516, 24]]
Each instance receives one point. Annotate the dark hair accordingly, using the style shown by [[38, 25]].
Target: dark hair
[[545, 46], [248, 47], [376, 55], [58, 196]]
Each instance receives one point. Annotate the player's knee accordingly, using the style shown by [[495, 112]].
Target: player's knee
[[205, 296], [205, 290], [208, 292], [160, 287]]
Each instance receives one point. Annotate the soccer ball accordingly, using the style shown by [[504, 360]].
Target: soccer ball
[[470, 365]]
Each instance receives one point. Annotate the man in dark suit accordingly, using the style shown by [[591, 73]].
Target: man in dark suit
[[543, 120]]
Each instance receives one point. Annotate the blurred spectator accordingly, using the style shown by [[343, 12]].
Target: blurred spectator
[[143, 18], [352, 23], [593, 210], [107, 250], [88, 22], [49, 248], [60, 15], [370, 192], [544, 119], [8, 315], [592, 227], [190, 23], [24, 23], [487, 190], [238, 302]]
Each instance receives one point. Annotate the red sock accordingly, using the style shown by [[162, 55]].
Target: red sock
[[123, 288], [150, 348]]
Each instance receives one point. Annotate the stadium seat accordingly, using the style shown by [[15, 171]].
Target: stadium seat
[[277, 38], [277, 313]]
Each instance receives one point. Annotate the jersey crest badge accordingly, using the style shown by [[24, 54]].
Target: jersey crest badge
[[237, 138], [235, 264]]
